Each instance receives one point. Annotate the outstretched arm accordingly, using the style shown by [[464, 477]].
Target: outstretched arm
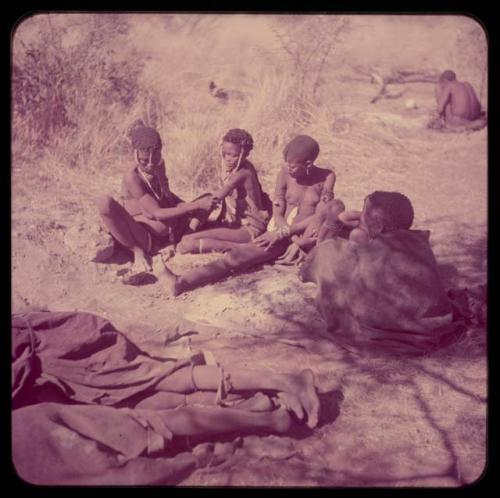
[[152, 209]]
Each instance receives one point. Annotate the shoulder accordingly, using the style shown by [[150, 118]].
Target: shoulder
[[131, 177], [131, 174], [324, 173], [247, 169]]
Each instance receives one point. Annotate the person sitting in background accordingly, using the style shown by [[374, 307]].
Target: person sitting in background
[[380, 289], [304, 194], [457, 102], [148, 212], [244, 212]]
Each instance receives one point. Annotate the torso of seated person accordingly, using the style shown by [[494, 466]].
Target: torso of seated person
[[247, 186], [303, 193], [135, 186], [463, 102]]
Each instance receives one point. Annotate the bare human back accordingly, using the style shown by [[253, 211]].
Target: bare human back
[[457, 101]]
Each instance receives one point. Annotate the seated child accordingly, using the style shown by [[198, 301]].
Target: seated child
[[244, 214]]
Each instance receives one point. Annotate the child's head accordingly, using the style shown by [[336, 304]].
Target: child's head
[[146, 143], [386, 212], [236, 146], [300, 154]]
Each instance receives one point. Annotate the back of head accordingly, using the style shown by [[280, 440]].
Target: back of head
[[302, 148], [239, 137], [448, 75], [144, 137], [394, 209]]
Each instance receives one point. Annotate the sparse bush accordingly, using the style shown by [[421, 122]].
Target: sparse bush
[[59, 85]]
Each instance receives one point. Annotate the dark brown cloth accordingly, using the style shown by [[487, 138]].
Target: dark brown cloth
[[383, 296], [82, 357], [93, 434]]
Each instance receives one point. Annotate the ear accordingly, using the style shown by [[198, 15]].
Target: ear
[[309, 163]]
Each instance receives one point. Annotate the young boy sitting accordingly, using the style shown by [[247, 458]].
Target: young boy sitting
[[244, 214]]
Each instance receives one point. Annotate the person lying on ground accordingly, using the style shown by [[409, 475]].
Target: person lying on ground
[[75, 370], [148, 213], [457, 102], [303, 193], [380, 289], [243, 212]]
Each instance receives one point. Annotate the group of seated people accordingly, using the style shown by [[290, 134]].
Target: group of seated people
[[378, 281], [91, 407]]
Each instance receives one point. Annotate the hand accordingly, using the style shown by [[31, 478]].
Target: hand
[[267, 240], [350, 218], [207, 203]]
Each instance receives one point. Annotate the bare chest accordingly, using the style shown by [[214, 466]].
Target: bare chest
[[303, 195]]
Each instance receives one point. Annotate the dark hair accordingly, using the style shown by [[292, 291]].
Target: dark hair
[[301, 148], [144, 136], [396, 211], [448, 75], [239, 137]]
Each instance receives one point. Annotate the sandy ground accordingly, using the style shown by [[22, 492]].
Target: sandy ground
[[418, 422]]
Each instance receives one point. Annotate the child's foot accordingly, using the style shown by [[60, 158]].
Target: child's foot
[[166, 277], [281, 420], [141, 263], [138, 272]]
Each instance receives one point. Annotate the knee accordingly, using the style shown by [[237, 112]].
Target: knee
[[332, 209], [185, 246], [233, 259], [104, 204]]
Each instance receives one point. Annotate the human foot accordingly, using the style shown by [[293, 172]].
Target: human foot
[[305, 390], [292, 403], [141, 263], [165, 276]]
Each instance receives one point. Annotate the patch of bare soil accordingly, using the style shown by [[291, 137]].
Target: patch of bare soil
[[394, 422]]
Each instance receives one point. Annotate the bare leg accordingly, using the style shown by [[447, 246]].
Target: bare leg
[[213, 240], [331, 225], [203, 246], [125, 230], [240, 257], [300, 387], [193, 420], [164, 400]]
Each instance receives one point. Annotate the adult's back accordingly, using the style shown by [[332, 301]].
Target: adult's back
[[464, 102]]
